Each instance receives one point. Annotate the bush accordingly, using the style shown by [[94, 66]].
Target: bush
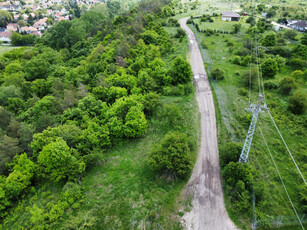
[[236, 60], [203, 44], [296, 63], [235, 172], [290, 34], [230, 152], [287, 84], [298, 102], [230, 43], [218, 74], [180, 33], [180, 71], [58, 162], [271, 84], [298, 75], [269, 68], [243, 92], [172, 156]]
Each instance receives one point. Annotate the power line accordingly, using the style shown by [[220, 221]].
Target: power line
[[287, 148], [261, 77], [283, 184]]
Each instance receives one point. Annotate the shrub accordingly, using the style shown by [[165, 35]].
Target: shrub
[[269, 40], [172, 156], [180, 33], [218, 74], [230, 152], [243, 92], [230, 44], [271, 84], [58, 162], [236, 60], [203, 44], [290, 34], [269, 68], [180, 71], [296, 63], [287, 84], [297, 74], [298, 102], [235, 172]]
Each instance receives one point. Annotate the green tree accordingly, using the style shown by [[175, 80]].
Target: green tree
[[8, 149], [4, 199], [235, 172], [298, 102], [36, 68], [172, 156], [58, 162], [230, 152], [7, 92], [269, 68], [47, 104], [300, 51], [135, 123], [304, 39], [290, 34], [236, 28], [271, 13], [180, 71], [218, 74], [20, 178], [13, 67], [269, 40], [287, 84]]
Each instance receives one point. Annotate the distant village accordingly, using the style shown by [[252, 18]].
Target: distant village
[[34, 17]]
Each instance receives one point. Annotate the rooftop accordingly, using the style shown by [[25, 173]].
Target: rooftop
[[231, 14]]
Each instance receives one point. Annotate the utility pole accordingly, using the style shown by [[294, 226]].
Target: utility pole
[[255, 109]]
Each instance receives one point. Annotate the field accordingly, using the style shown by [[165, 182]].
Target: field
[[233, 122], [4, 49]]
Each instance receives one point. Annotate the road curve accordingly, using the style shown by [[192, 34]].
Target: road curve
[[205, 184]]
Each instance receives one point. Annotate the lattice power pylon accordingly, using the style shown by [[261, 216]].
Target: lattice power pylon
[[255, 109]]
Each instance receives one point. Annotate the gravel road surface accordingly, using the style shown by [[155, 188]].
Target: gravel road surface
[[205, 185]]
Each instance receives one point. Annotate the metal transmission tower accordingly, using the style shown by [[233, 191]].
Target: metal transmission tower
[[255, 109]]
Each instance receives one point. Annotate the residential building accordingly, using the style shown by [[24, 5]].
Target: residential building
[[5, 36], [230, 16]]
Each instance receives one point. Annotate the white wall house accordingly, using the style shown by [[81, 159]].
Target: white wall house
[[230, 16]]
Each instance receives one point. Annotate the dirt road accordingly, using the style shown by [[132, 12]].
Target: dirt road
[[208, 211], [283, 26]]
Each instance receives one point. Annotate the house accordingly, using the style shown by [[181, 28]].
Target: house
[[5, 36], [264, 15], [244, 13], [13, 27], [66, 18], [2, 29], [40, 24], [28, 29], [297, 25], [230, 16], [25, 17]]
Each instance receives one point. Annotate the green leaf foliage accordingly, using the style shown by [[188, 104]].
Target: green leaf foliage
[[172, 156], [58, 163]]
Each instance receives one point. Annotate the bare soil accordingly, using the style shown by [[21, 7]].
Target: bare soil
[[205, 185]]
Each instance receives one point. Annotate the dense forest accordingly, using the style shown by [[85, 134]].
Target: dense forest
[[88, 85]]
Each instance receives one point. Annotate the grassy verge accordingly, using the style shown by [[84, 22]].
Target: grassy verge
[[4, 49]]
